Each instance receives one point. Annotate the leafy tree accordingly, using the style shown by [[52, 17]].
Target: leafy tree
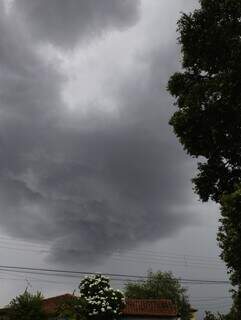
[[97, 300], [74, 308], [208, 119], [208, 95], [27, 306], [160, 285], [229, 237], [211, 316]]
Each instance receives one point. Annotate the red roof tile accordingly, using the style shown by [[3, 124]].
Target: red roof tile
[[50, 305], [134, 307], [150, 307]]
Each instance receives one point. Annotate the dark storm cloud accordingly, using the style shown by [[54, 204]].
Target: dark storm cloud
[[64, 23], [95, 187]]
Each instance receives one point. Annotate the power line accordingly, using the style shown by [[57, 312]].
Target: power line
[[71, 273], [127, 258], [146, 253], [138, 260], [169, 263], [164, 260]]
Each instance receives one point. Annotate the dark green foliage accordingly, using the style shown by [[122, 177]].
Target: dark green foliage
[[73, 308], [208, 94], [229, 237], [208, 119], [160, 285], [27, 306], [211, 316]]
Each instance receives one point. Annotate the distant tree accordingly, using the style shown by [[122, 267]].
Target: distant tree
[[208, 119], [96, 301], [160, 285], [27, 306]]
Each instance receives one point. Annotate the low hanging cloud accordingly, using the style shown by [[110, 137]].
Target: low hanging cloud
[[89, 185], [65, 23]]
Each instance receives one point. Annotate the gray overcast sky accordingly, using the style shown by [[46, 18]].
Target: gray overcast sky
[[92, 177]]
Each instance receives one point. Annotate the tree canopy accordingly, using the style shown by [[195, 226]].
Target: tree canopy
[[208, 95], [211, 316], [160, 285], [27, 306], [218, 316], [207, 122]]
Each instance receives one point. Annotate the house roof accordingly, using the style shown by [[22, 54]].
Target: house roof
[[133, 307], [150, 307], [50, 305]]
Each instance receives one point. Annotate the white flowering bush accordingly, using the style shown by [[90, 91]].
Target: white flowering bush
[[100, 300]]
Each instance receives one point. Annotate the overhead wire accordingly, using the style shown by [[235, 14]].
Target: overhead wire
[[146, 253], [177, 261], [76, 273]]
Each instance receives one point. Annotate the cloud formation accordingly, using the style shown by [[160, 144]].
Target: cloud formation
[[65, 23], [88, 184]]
